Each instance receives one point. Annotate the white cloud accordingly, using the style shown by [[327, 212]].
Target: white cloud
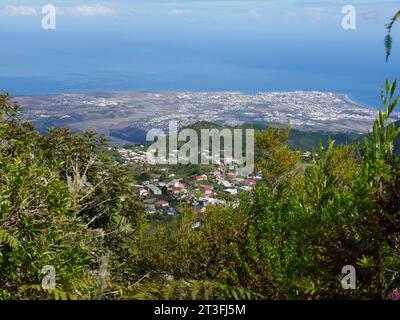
[[315, 11], [176, 12], [253, 13], [20, 11], [91, 10], [60, 11], [370, 15]]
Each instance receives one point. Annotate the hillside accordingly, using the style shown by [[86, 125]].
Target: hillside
[[298, 139]]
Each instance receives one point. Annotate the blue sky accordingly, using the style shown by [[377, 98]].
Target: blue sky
[[196, 45]]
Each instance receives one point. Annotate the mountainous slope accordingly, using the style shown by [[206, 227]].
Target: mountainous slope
[[299, 140]]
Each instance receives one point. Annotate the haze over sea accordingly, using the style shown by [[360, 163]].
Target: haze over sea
[[149, 45]]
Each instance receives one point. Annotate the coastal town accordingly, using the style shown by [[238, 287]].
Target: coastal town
[[126, 117]]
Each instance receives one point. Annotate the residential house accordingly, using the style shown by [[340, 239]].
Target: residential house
[[207, 190], [155, 190], [203, 177], [143, 193], [231, 175], [250, 182], [162, 203], [170, 211], [232, 191], [150, 209]]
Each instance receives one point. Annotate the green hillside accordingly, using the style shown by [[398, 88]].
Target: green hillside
[[298, 140]]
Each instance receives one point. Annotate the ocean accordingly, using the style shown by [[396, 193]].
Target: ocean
[[203, 47]]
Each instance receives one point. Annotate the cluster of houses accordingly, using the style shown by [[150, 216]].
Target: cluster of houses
[[164, 195], [153, 206], [134, 156]]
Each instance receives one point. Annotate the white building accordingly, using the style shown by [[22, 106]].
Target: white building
[[232, 191], [155, 190]]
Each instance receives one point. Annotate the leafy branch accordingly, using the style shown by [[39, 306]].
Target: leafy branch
[[388, 38]]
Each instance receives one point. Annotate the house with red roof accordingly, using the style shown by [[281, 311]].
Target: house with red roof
[[203, 177], [231, 174], [250, 182], [162, 203], [207, 190]]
